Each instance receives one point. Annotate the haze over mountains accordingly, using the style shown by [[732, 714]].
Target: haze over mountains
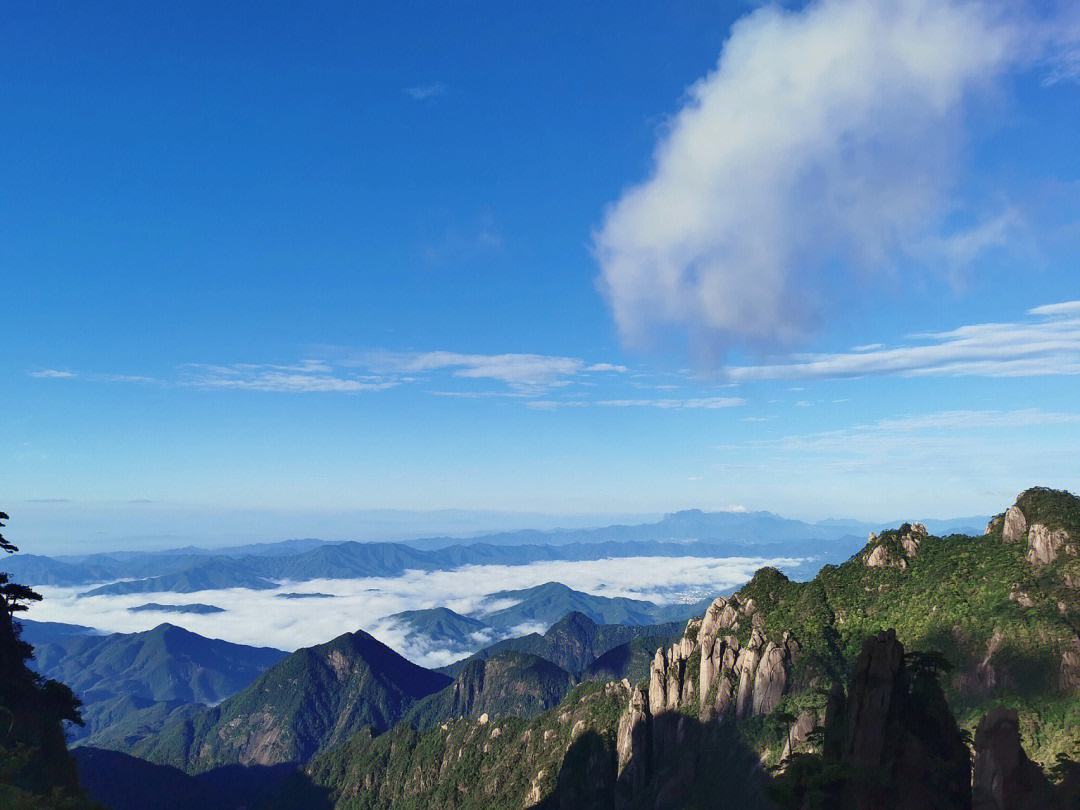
[[692, 532]]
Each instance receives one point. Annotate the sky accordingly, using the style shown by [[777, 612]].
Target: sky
[[555, 258]]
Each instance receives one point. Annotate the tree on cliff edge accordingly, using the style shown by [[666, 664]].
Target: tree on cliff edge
[[35, 768]]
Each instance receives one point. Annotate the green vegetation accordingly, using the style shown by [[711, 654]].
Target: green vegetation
[[463, 763], [314, 698], [36, 772], [132, 682], [574, 642], [511, 683], [982, 626]]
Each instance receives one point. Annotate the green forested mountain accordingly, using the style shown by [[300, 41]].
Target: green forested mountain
[[442, 628], [802, 677], [572, 643], [511, 683], [312, 699], [130, 682]]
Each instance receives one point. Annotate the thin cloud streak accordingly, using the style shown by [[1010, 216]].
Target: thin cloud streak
[[1048, 344]]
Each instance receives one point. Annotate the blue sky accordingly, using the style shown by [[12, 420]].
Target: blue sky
[[553, 258]]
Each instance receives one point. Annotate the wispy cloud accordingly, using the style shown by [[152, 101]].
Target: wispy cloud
[[349, 372], [426, 92], [698, 403], [706, 403], [826, 141], [520, 371], [1046, 343], [53, 374], [307, 377]]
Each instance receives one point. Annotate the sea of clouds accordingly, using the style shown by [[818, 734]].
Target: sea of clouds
[[261, 618]]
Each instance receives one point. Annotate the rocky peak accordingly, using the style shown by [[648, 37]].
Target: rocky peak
[[732, 679], [1005, 779], [893, 549], [896, 728], [1039, 517]]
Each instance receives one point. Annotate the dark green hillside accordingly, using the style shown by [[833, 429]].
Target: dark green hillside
[[443, 627], [511, 683], [630, 660], [572, 643], [124, 672], [315, 698], [547, 603], [464, 763], [1007, 627], [36, 771]]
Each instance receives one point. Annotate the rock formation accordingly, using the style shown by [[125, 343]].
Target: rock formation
[[900, 741], [1005, 779], [1046, 541], [895, 549], [1014, 525], [1045, 544]]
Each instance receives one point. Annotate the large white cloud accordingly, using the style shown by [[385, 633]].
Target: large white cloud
[[825, 139], [261, 618]]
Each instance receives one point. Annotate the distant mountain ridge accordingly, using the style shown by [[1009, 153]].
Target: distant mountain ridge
[[261, 565]]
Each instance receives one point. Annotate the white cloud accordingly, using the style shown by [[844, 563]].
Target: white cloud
[[53, 374], [826, 140], [307, 377], [1048, 344], [1064, 308], [517, 370], [425, 92], [693, 403], [525, 375], [259, 617], [706, 403]]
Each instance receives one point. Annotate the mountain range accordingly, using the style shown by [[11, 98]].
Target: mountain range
[[868, 685], [131, 683], [262, 566]]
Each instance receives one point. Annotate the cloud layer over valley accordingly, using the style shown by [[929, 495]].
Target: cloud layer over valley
[[261, 618]]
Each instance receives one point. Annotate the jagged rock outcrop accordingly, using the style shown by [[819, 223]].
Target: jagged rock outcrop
[[1045, 544], [717, 676], [900, 739], [1013, 525], [632, 740], [895, 549], [743, 680], [1005, 779], [1031, 519]]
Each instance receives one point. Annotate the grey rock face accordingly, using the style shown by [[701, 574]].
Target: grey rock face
[[1005, 779], [1044, 544], [770, 679], [632, 740], [1014, 525], [746, 665]]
